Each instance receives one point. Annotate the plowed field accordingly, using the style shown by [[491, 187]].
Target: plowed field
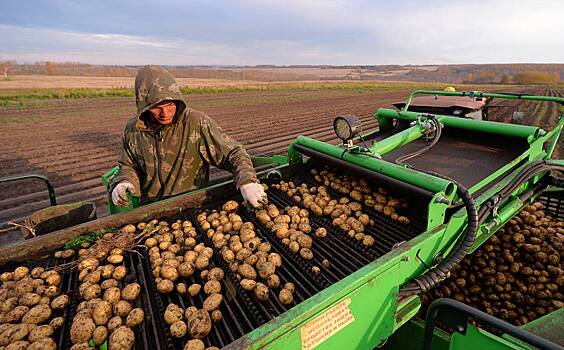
[[73, 142]]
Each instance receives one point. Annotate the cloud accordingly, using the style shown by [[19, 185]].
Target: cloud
[[283, 32]]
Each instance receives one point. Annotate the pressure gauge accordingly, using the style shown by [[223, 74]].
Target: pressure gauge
[[346, 127]]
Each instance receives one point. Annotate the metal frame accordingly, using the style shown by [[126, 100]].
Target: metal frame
[[455, 315], [50, 189]]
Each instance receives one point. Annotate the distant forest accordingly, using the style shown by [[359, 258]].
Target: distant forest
[[460, 73]]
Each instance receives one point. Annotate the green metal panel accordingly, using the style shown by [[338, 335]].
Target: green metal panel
[[416, 178], [370, 295], [514, 130], [549, 327], [401, 138], [476, 338], [410, 337]]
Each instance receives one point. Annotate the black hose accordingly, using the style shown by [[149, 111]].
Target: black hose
[[442, 271], [438, 130], [432, 277]]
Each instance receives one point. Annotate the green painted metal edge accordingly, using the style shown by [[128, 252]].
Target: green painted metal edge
[[401, 138], [479, 94], [275, 159], [549, 326], [410, 337], [416, 178], [514, 130], [476, 338]]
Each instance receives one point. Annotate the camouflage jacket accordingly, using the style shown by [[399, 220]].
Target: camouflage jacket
[[165, 160]]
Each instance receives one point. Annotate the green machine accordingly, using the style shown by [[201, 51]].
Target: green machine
[[464, 180]]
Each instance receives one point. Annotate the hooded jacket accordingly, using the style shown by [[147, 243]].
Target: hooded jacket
[[164, 160]]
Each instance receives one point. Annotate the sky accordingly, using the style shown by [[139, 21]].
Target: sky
[[288, 32]]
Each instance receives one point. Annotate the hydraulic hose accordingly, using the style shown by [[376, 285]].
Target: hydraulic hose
[[438, 130], [442, 271]]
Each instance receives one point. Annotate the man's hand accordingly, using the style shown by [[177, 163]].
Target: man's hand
[[253, 193], [119, 194]]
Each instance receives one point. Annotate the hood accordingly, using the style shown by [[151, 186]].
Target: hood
[[154, 84]]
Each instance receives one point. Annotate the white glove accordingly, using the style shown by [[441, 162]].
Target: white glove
[[253, 193], [119, 194]]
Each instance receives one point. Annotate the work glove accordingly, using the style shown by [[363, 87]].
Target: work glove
[[119, 194], [254, 194]]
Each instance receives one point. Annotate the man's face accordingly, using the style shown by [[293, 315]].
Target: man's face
[[164, 112]]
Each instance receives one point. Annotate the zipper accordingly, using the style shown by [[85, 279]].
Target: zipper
[[159, 137]]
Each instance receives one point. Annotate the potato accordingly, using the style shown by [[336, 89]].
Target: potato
[[131, 291], [306, 253], [266, 269], [189, 311], [165, 286], [216, 273], [51, 291], [91, 292], [60, 302], [273, 281], [122, 338], [82, 329], [194, 344], [18, 332], [285, 296], [20, 272], [18, 345], [212, 287], [100, 335], [93, 277], [114, 323], [115, 259], [190, 256], [216, 316], [40, 332], [38, 314], [57, 322], [321, 232], [178, 329], [186, 269], [173, 313], [199, 324], [135, 317], [315, 269], [119, 272], [109, 283], [169, 272], [36, 272], [43, 344], [122, 308], [112, 294], [102, 312], [6, 276], [368, 240], [202, 262], [248, 284], [90, 262], [247, 271], [261, 291], [194, 289], [16, 314], [212, 302]]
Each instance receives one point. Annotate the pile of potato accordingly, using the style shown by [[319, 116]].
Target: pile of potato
[[292, 227], [345, 214], [518, 274], [248, 257], [106, 312], [360, 191], [28, 300]]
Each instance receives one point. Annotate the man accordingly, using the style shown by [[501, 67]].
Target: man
[[168, 147]]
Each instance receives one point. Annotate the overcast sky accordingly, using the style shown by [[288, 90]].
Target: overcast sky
[[282, 32]]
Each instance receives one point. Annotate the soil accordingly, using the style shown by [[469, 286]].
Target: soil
[[74, 142]]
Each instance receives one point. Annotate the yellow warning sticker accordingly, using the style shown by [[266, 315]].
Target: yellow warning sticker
[[325, 325]]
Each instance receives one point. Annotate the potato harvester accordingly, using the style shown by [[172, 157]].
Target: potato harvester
[[463, 179]]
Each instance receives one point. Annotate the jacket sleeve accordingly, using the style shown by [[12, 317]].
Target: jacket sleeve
[[223, 152], [127, 167]]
